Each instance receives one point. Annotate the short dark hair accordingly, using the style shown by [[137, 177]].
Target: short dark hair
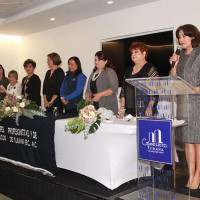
[[2, 69], [78, 62], [141, 46], [103, 56], [29, 61], [14, 73], [55, 58], [191, 31]]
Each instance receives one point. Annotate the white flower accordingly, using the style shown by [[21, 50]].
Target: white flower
[[19, 97], [85, 116], [92, 113], [91, 106], [15, 109], [7, 108], [22, 104]]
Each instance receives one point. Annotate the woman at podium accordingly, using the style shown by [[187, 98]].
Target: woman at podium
[[187, 66], [140, 69]]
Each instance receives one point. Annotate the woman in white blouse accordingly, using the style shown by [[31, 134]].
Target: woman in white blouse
[[14, 87]]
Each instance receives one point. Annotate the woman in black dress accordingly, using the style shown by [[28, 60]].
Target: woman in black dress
[[140, 69], [52, 83], [31, 83]]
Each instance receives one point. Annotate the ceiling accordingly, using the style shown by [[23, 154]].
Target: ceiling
[[23, 17]]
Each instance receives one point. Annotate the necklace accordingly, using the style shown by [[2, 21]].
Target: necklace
[[136, 70], [94, 78], [11, 87]]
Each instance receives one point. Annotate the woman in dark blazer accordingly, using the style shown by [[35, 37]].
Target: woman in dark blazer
[[31, 83], [52, 83]]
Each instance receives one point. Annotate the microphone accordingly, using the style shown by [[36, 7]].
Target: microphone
[[178, 50]]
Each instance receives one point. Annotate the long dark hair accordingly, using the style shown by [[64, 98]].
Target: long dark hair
[[2, 69], [102, 56], [78, 62], [191, 31]]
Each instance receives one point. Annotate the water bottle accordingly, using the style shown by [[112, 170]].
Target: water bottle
[[55, 111]]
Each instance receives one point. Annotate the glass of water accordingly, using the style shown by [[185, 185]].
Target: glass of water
[[55, 111], [140, 109]]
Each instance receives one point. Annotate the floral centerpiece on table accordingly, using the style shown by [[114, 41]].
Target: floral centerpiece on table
[[16, 106], [88, 120]]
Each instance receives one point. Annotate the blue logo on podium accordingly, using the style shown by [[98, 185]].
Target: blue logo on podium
[[155, 140]]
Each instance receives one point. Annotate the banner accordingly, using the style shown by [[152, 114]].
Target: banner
[[32, 142]]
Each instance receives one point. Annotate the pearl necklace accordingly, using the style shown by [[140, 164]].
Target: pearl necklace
[[94, 78]]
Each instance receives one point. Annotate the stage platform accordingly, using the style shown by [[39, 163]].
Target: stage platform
[[134, 196], [23, 184]]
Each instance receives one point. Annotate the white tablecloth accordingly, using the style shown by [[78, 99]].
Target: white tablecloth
[[108, 156]]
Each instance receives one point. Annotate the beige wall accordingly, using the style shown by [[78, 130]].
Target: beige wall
[[83, 38], [9, 52]]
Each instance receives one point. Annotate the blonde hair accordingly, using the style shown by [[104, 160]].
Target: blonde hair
[[14, 73]]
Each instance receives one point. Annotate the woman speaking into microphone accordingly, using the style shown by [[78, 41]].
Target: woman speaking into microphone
[[187, 66]]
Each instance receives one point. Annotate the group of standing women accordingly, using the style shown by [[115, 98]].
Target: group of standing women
[[66, 91], [60, 90]]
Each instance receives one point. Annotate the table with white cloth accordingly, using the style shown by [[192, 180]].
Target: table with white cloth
[[108, 156]]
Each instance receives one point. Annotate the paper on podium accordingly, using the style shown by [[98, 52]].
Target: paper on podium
[[176, 123]]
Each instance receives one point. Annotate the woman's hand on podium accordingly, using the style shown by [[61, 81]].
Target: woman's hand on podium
[[196, 89], [148, 111]]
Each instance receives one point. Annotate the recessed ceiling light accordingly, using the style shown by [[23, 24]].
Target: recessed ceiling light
[[110, 2], [52, 19]]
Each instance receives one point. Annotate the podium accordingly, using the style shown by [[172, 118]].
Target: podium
[[162, 166]]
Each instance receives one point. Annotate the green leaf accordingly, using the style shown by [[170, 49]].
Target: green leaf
[[82, 104], [37, 113], [80, 128], [93, 128], [76, 120], [31, 105], [98, 121], [28, 113], [74, 131]]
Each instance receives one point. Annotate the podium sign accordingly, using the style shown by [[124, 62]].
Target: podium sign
[[155, 140]]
